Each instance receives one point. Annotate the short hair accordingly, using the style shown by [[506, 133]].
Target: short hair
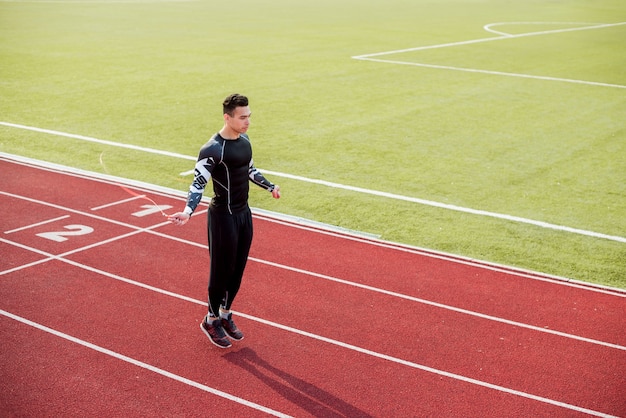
[[233, 101]]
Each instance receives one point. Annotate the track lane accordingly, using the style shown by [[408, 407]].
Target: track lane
[[47, 375], [421, 274], [451, 281], [281, 370], [168, 274], [468, 346]]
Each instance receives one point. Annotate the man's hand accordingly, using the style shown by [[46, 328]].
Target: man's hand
[[276, 192], [179, 218]]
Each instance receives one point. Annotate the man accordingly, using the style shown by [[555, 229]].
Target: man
[[227, 161]]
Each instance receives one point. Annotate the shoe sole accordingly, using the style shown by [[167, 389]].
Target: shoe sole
[[211, 339], [232, 337]]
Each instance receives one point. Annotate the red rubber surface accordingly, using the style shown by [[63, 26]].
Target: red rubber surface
[[106, 322]]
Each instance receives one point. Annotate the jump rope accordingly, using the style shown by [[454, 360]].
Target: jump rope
[[132, 192]]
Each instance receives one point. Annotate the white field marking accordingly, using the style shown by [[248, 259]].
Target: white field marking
[[453, 258], [143, 365], [370, 57], [67, 209], [361, 350], [365, 351], [473, 70], [424, 202], [497, 38], [150, 230], [98, 141], [505, 217], [440, 305], [429, 369], [136, 230], [37, 224], [48, 257], [119, 202], [320, 228], [489, 26]]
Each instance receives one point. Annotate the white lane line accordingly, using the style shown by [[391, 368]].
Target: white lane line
[[119, 202], [511, 218], [440, 305], [430, 369], [143, 365], [452, 258], [98, 141], [307, 224], [365, 351], [377, 193], [67, 209], [135, 230], [36, 224], [353, 347]]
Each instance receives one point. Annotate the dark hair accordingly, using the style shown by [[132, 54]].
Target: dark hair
[[233, 101]]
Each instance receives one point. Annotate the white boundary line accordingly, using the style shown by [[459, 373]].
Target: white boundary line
[[488, 27], [135, 230], [37, 224], [143, 365], [119, 202], [329, 230], [370, 57], [393, 196], [284, 327], [346, 345], [322, 228]]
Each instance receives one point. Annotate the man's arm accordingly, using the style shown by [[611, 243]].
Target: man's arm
[[257, 178], [202, 174]]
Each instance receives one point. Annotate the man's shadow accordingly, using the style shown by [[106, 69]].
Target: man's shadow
[[307, 396]]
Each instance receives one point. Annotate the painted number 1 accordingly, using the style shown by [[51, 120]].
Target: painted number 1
[[72, 230], [151, 209]]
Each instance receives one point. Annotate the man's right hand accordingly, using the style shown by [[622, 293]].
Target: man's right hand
[[179, 218]]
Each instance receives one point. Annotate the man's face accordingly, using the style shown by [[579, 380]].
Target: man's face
[[240, 120]]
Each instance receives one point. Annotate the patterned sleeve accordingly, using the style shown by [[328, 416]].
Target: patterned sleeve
[[202, 174], [257, 178]]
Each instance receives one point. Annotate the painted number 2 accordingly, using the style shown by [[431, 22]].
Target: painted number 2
[[72, 230]]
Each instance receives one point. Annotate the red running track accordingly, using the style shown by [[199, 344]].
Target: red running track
[[102, 300]]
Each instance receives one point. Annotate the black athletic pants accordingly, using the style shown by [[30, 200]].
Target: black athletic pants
[[230, 238]]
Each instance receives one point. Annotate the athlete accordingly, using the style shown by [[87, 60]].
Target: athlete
[[226, 160]]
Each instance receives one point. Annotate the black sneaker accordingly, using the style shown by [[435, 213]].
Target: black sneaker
[[231, 329], [215, 332]]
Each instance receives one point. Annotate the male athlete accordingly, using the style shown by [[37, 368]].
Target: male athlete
[[227, 161]]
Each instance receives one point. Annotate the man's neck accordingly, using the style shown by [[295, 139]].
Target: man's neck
[[228, 133]]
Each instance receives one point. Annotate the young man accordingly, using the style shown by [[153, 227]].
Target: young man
[[227, 161]]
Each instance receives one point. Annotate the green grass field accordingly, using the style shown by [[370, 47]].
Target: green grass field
[[531, 127]]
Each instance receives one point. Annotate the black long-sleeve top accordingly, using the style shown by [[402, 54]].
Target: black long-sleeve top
[[228, 163]]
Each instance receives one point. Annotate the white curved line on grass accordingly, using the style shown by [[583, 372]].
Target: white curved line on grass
[[490, 25]]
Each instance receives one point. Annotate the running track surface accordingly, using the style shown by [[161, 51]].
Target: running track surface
[[102, 300]]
